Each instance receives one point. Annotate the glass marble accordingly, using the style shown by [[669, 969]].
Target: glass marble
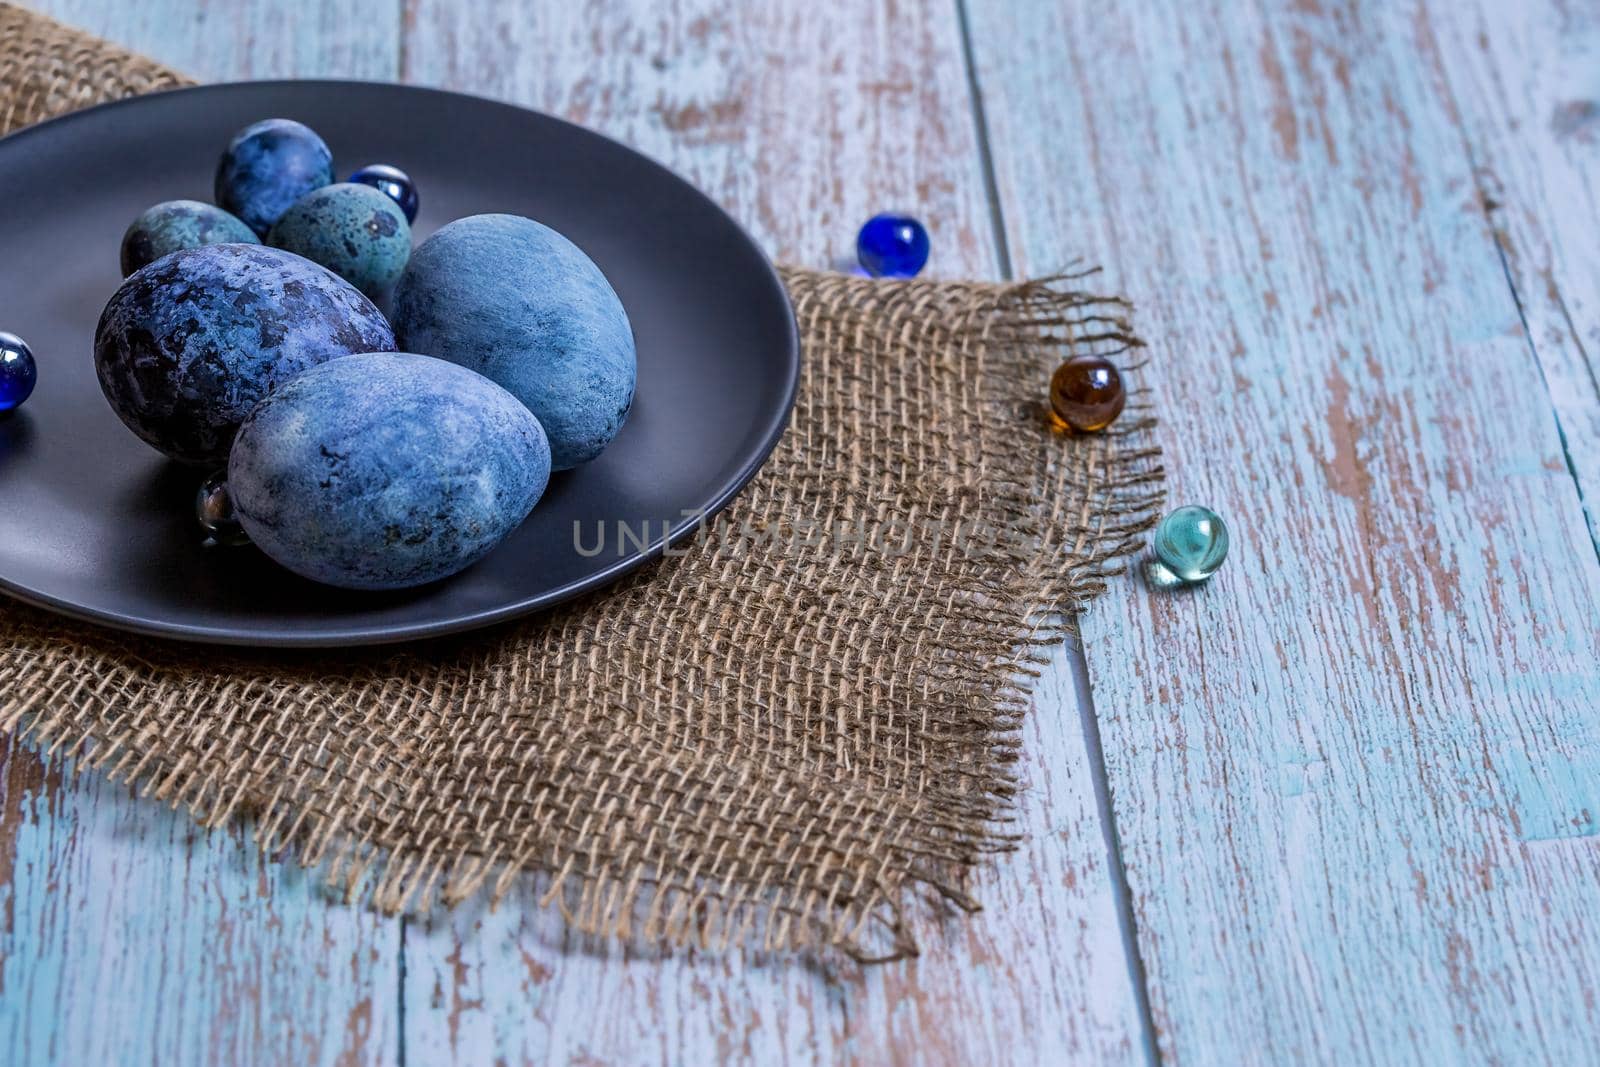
[[392, 182], [1190, 544], [18, 372], [892, 246], [213, 507], [1086, 394]]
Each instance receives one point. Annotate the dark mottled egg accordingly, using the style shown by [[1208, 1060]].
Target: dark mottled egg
[[355, 231], [178, 224], [267, 167], [521, 304], [386, 470], [189, 344]]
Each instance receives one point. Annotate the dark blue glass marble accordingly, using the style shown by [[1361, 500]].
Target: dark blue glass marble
[[18, 374], [892, 246], [392, 182]]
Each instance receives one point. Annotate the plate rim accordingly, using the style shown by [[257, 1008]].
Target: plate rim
[[770, 434]]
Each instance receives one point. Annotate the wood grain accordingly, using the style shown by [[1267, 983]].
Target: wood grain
[[126, 934], [1522, 78], [224, 40], [1355, 776], [129, 935], [803, 120]]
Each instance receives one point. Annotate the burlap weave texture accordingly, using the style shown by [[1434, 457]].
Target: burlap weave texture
[[778, 738]]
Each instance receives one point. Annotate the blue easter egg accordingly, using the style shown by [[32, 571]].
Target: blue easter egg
[[522, 305], [354, 230], [177, 224], [386, 470], [267, 167], [188, 345]]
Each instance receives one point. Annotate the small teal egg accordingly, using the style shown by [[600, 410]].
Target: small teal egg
[[1190, 544], [189, 344], [522, 305], [355, 231], [178, 224], [386, 470], [267, 167]]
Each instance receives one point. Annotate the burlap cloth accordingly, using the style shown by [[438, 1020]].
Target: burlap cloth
[[780, 739]]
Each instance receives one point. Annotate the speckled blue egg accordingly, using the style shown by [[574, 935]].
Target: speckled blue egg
[[178, 224], [521, 304], [267, 167], [386, 470], [188, 345], [354, 230]]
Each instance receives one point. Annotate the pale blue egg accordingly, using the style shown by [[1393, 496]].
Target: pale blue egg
[[522, 305], [386, 470]]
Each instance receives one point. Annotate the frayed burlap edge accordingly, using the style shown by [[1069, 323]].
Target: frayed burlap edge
[[824, 842]]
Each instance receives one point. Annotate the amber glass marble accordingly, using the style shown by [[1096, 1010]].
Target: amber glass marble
[[1086, 394]]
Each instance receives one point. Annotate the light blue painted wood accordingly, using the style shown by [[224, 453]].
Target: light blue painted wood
[[802, 119], [1526, 78], [223, 40], [132, 936], [127, 935], [1355, 778]]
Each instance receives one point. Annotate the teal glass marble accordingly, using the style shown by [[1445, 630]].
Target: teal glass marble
[[1190, 544]]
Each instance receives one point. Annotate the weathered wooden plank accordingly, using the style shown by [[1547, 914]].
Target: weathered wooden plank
[[1355, 777], [1523, 79], [222, 40], [803, 119], [127, 935], [802, 122]]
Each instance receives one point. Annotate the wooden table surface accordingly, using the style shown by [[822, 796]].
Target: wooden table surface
[[1340, 806]]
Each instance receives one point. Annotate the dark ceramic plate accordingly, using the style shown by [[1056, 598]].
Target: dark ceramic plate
[[95, 525]]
